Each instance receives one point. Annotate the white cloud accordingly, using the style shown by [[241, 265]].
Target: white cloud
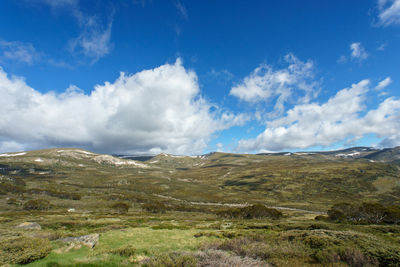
[[94, 40], [219, 146], [222, 76], [358, 51], [389, 12], [324, 124], [151, 111], [17, 52], [265, 83], [384, 83], [342, 59], [382, 47]]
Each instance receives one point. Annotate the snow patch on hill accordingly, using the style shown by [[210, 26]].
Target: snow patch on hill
[[13, 154]]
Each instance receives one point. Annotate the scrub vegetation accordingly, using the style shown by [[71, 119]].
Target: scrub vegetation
[[215, 210]]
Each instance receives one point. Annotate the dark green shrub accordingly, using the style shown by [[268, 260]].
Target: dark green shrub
[[12, 201], [321, 218], [371, 213], [326, 256], [11, 188], [125, 251], [120, 207], [23, 250], [392, 215], [366, 213], [37, 204], [154, 207], [256, 211], [56, 193], [336, 215]]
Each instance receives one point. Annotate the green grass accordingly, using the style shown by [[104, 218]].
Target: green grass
[[147, 241]]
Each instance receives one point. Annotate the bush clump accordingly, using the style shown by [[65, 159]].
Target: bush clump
[[37, 204], [12, 201], [23, 250], [11, 188], [256, 211], [155, 207], [364, 213], [125, 251], [120, 207], [56, 193], [173, 259]]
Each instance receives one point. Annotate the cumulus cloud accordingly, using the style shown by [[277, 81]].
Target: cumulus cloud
[[265, 84], [341, 117], [389, 12], [358, 51], [17, 52], [151, 111]]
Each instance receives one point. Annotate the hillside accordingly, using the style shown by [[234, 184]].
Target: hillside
[[302, 180], [170, 203]]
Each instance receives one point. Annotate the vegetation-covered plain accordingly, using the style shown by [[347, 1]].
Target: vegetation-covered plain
[[69, 207]]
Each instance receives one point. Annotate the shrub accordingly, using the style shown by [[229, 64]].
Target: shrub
[[392, 215], [256, 211], [125, 251], [56, 193], [174, 259], [154, 207], [37, 204], [221, 258], [120, 207], [11, 188], [369, 213], [12, 201], [23, 250], [356, 258]]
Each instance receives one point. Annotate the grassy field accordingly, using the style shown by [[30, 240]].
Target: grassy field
[[174, 208]]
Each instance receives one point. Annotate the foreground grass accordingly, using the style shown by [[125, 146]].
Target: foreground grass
[[147, 241]]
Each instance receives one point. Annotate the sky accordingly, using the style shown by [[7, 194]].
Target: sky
[[190, 77]]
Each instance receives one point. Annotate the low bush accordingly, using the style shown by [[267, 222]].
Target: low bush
[[174, 259], [37, 204], [125, 251], [12, 201], [324, 247], [256, 211], [56, 193], [11, 188], [23, 250], [154, 207], [120, 207], [221, 258]]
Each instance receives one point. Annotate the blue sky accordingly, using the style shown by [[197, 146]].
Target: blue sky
[[190, 77]]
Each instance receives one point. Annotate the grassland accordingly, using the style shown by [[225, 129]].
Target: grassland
[[188, 195]]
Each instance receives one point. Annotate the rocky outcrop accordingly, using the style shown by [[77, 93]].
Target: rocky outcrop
[[87, 240]]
